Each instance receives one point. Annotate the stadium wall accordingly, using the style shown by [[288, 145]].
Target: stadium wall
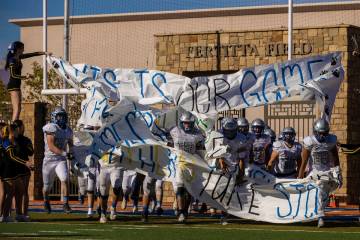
[[170, 41]]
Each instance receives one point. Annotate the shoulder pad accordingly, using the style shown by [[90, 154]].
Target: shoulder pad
[[308, 142], [174, 130], [50, 128], [277, 145]]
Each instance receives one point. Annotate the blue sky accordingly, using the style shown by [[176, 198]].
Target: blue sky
[[10, 9]]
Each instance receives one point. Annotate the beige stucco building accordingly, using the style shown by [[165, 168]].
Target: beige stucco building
[[212, 41]]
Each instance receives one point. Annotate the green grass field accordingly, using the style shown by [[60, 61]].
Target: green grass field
[[76, 226]]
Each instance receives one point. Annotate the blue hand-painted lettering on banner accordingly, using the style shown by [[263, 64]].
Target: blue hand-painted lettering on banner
[[85, 106], [242, 92], [76, 72], [63, 68], [104, 138], [133, 114], [110, 77], [163, 78], [298, 188], [196, 97], [105, 113], [219, 94], [150, 164], [141, 72], [267, 73], [114, 128], [98, 107], [148, 118], [279, 187], [291, 69], [84, 68], [309, 188], [162, 134], [263, 176], [93, 92], [309, 64], [95, 71]]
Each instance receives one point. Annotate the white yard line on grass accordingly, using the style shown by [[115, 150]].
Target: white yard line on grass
[[185, 226], [93, 229], [138, 226], [50, 231], [12, 233]]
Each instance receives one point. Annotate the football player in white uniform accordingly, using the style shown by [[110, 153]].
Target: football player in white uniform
[[243, 128], [151, 186], [110, 174], [260, 153], [87, 180], [237, 150], [320, 149], [57, 136], [188, 138], [285, 159], [268, 131], [128, 186]]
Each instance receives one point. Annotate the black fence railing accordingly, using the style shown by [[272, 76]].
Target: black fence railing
[[298, 114]]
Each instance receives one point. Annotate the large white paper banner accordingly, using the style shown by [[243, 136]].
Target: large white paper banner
[[261, 197], [132, 133]]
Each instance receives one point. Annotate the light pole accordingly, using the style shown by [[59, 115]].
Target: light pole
[[290, 28], [45, 77], [66, 45]]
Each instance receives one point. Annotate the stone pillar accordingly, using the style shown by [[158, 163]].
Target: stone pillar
[[33, 115]]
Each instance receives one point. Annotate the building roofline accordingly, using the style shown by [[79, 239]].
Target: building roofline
[[258, 30], [196, 13]]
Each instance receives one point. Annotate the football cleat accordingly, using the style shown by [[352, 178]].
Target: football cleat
[[135, 209], [321, 222], [103, 218], [66, 208], [47, 207], [159, 211], [112, 215], [181, 218], [124, 204]]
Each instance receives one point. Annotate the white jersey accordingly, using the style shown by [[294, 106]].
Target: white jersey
[[321, 157], [62, 137], [259, 149], [237, 149], [187, 142], [288, 157], [80, 150]]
